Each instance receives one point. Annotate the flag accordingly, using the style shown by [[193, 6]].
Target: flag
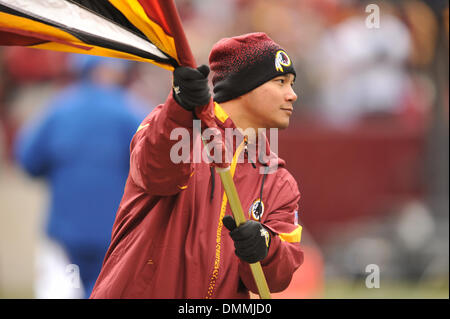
[[139, 30]]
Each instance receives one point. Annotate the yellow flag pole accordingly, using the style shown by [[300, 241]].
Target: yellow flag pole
[[239, 217]]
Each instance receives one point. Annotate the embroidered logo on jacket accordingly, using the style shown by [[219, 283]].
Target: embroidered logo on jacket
[[256, 210], [281, 59], [265, 234]]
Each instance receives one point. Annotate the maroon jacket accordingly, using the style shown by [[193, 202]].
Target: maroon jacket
[[168, 240]]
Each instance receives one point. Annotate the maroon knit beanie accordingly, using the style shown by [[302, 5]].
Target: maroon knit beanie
[[241, 64]]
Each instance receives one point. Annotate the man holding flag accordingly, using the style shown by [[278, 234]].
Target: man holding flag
[[168, 238]]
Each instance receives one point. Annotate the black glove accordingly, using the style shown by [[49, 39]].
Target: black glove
[[190, 86], [251, 239]]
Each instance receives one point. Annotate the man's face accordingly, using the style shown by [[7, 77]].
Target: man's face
[[271, 104]]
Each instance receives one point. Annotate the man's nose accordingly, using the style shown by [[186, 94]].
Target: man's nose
[[291, 95]]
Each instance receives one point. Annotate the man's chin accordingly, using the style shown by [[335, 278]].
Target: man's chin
[[283, 126]]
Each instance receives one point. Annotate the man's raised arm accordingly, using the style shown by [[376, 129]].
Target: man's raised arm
[[151, 165]]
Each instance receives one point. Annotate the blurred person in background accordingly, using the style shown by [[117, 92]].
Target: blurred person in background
[[80, 145], [363, 69]]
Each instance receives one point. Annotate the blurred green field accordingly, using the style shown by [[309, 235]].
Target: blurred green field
[[344, 289]]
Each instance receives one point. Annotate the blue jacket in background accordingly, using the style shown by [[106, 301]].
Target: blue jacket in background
[[81, 146]]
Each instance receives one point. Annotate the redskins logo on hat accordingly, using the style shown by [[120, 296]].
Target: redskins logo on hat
[[282, 59], [256, 210]]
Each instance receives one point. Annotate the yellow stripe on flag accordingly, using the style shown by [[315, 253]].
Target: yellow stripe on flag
[[95, 50], [134, 12], [25, 24]]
